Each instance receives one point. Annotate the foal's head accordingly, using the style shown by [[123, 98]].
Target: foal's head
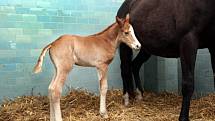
[[126, 33]]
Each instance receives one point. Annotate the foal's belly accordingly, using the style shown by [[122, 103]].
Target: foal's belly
[[92, 59], [86, 60]]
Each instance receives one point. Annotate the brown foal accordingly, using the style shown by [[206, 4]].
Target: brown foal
[[96, 50]]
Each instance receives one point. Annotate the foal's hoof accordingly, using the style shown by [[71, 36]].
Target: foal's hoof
[[104, 115]]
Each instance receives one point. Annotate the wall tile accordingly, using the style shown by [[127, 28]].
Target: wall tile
[[27, 26]]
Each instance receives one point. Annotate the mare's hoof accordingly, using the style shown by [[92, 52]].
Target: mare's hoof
[[139, 97], [126, 103], [183, 119], [126, 99]]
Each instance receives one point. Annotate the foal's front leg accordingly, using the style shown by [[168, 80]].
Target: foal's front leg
[[102, 75]]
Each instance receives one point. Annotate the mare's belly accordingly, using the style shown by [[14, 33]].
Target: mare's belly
[[163, 50]]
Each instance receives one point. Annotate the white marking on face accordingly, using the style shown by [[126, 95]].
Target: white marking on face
[[136, 44]]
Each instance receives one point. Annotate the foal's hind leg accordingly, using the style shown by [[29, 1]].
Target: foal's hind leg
[[212, 52], [55, 89], [52, 117], [136, 65], [103, 86], [62, 65]]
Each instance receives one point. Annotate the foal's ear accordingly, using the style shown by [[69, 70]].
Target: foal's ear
[[120, 21]]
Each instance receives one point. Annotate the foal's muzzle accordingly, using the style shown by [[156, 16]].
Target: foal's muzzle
[[136, 46]]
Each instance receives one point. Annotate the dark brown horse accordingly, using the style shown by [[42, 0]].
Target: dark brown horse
[[172, 29]]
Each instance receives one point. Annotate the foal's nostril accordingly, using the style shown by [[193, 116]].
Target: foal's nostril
[[137, 46]]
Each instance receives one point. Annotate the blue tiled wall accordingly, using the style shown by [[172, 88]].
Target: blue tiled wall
[[26, 26]]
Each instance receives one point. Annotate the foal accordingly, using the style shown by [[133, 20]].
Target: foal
[[96, 50]]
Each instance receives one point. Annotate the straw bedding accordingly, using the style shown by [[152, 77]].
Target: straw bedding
[[83, 106]]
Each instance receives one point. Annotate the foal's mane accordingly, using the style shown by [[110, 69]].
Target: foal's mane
[[104, 30]]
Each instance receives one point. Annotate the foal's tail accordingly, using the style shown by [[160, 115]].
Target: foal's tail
[[38, 66]]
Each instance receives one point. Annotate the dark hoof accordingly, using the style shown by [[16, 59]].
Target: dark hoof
[[183, 119], [132, 95]]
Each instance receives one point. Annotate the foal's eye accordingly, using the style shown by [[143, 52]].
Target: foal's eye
[[126, 33]]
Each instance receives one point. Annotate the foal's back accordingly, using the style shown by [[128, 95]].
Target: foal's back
[[82, 50]]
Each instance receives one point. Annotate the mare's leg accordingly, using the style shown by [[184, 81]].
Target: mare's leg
[[188, 51], [136, 65], [103, 86], [63, 65], [212, 52], [126, 72]]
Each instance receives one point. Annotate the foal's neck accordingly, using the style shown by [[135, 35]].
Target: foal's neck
[[110, 34]]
